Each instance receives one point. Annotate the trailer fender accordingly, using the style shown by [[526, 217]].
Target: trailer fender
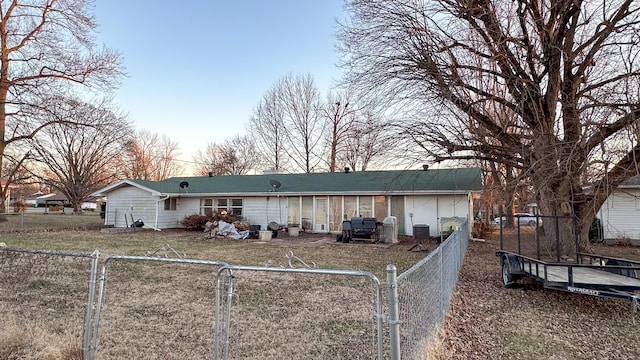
[[511, 270]]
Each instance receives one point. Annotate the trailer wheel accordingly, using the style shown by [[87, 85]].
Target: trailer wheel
[[508, 279]]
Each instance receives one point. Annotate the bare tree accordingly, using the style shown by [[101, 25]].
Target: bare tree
[[340, 114], [149, 156], [46, 48], [299, 100], [78, 151], [368, 140], [287, 125], [267, 131], [234, 157], [566, 70]]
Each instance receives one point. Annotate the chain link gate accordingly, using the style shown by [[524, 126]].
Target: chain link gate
[[285, 312], [43, 291], [168, 304]]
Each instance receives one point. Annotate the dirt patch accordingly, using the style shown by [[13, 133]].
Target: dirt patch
[[488, 321]]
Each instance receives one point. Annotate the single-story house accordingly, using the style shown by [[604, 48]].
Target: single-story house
[[316, 202], [52, 199], [620, 213]]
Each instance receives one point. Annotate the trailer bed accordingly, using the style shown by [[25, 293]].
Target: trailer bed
[[599, 279], [587, 275]]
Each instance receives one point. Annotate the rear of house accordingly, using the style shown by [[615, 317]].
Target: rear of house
[[316, 202]]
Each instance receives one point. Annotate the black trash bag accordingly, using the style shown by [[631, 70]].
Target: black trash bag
[[138, 223]]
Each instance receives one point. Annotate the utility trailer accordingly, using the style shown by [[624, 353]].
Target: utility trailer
[[588, 274]]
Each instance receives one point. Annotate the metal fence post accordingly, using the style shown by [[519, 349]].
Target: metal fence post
[[394, 321], [88, 350]]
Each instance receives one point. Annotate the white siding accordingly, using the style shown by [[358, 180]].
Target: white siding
[[620, 215], [428, 209], [263, 210], [169, 219], [126, 203], [255, 210]]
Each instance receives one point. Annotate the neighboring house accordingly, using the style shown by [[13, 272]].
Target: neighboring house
[[620, 213], [53, 199], [316, 202]]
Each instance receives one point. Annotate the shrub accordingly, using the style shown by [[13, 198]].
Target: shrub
[[19, 205], [195, 221], [481, 229], [53, 208]]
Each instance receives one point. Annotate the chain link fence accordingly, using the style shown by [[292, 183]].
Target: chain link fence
[[44, 293], [173, 308], [37, 220], [420, 297]]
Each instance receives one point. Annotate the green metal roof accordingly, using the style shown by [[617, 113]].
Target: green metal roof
[[396, 181]]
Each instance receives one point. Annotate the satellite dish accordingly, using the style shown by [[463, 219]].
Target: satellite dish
[[184, 184], [275, 183]]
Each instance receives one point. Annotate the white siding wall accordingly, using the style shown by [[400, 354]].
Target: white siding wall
[[620, 215], [260, 211], [126, 202], [168, 219], [255, 210], [428, 209]]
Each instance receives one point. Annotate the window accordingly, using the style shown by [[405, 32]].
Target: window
[[380, 207], [170, 203], [293, 214], [307, 212], [206, 207], [365, 206], [235, 206], [350, 206], [210, 207], [335, 214]]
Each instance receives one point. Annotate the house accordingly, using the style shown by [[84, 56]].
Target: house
[[620, 213], [52, 199], [316, 202]]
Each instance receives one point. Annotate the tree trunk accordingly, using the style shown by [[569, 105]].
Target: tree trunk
[[557, 202], [77, 208], [3, 205]]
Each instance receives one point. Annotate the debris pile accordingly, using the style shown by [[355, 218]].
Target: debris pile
[[221, 229]]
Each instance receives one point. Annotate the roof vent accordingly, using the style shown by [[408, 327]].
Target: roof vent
[[425, 167], [347, 170], [210, 173]]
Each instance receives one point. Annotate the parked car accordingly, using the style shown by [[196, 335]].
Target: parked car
[[524, 219]]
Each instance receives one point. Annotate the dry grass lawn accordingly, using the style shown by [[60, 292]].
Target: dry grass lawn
[[166, 310]]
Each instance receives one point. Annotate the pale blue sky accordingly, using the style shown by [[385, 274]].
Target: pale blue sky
[[197, 68]]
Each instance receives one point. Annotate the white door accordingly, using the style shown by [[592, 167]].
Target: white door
[[320, 219]]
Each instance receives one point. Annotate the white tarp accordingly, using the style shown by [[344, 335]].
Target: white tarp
[[228, 230]]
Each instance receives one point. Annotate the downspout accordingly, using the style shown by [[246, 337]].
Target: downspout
[[471, 216], [438, 229], [157, 211]]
